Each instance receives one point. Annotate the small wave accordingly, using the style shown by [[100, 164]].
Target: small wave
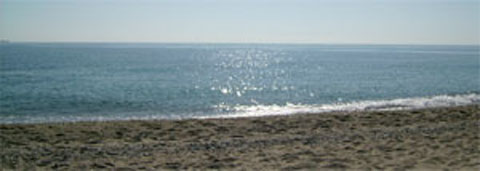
[[258, 110], [87, 118], [369, 105]]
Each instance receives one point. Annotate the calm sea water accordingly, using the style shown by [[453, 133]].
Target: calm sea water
[[47, 82]]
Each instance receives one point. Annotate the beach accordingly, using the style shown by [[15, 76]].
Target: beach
[[432, 138]]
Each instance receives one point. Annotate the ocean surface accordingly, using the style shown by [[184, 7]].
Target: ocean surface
[[57, 82]]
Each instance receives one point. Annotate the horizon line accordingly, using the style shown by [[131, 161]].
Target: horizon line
[[279, 43]]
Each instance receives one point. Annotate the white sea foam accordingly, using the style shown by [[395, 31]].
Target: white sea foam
[[370, 105], [258, 110]]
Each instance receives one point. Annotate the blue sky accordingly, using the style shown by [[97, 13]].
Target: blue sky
[[244, 21]]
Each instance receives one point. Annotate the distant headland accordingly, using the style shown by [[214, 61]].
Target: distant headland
[[4, 41]]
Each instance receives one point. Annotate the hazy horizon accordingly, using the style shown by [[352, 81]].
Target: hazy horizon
[[424, 22], [246, 43]]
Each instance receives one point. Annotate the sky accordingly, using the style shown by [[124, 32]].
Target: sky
[[242, 21]]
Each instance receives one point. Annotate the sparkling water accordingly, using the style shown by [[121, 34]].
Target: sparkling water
[[54, 82]]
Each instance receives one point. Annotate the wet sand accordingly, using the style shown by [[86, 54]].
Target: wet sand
[[436, 138]]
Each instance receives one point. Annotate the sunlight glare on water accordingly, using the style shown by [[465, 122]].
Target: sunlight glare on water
[[71, 82]]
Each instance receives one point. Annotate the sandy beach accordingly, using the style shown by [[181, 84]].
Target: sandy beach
[[436, 138]]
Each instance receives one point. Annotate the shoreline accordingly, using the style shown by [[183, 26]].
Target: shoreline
[[430, 138], [259, 110], [227, 117]]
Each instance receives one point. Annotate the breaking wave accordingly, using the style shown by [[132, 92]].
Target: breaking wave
[[369, 105], [259, 110]]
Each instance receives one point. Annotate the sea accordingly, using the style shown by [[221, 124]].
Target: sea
[[68, 82]]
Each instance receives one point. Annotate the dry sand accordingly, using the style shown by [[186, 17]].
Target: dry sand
[[437, 138]]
